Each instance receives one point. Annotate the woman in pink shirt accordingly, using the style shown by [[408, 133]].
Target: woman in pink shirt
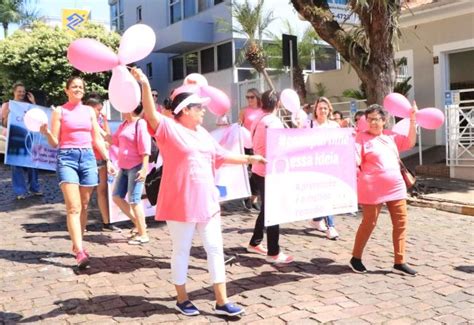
[[380, 181], [322, 111], [188, 199], [247, 116], [134, 145], [268, 120], [74, 131]]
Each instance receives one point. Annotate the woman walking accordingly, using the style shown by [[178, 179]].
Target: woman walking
[[74, 131], [380, 181], [188, 199]]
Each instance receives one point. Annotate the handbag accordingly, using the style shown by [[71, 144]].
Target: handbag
[[152, 184], [408, 177]]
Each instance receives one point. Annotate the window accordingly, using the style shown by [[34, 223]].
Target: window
[[139, 14], [149, 70], [175, 11], [189, 8], [204, 4], [246, 74], [207, 60], [216, 2], [224, 56], [177, 66], [191, 60]]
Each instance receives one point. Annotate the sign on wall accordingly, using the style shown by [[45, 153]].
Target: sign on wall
[[73, 19]]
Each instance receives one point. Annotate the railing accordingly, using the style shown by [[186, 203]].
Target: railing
[[460, 128]]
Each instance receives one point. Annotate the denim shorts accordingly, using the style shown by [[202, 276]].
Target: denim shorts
[[126, 184], [77, 166]]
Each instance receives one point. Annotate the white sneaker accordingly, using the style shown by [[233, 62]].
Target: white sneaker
[[331, 233], [320, 225]]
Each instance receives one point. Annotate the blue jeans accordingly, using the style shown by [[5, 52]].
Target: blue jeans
[[18, 180], [77, 166], [126, 184], [329, 220]]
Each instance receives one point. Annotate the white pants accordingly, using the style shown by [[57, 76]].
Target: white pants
[[182, 237]]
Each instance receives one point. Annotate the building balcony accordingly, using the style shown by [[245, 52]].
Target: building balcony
[[184, 36]]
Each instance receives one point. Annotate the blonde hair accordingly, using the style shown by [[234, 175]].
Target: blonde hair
[[324, 100]]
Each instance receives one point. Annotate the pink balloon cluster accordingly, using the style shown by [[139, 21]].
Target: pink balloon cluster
[[89, 55], [197, 84], [398, 105]]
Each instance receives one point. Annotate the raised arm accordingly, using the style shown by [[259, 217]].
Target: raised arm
[[152, 116]]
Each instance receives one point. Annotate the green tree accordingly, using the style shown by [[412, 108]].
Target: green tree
[[38, 58], [369, 48], [253, 21]]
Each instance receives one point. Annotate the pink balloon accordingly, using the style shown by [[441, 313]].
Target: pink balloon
[[89, 55], [124, 92], [220, 102], [362, 124], [195, 79], [430, 118], [34, 118], [246, 137], [397, 105], [195, 89], [402, 127], [290, 99], [137, 42]]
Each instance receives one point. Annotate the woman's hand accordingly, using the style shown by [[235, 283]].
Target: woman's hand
[[31, 97], [256, 159], [141, 175], [111, 168], [139, 76], [44, 129]]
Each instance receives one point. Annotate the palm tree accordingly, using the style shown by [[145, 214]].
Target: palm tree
[[253, 21], [15, 11]]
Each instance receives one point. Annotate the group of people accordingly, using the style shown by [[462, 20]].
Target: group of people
[[188, 200]]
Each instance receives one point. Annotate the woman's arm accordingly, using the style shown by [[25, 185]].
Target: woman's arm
[[241, 117], [99, 143], [244, 159], [53, 135], [151, 114], [5, 112], [141, 174]]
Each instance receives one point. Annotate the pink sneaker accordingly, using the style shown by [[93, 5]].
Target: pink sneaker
[[82, 259], [259, 249], [281, 258]]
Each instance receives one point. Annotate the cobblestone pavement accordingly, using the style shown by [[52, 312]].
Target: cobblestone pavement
[[130, 284]]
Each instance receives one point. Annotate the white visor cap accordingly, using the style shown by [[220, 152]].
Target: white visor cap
[[192, 99]]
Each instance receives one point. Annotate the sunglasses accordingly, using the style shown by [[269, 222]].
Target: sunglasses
[[250, 97], [154, 95]]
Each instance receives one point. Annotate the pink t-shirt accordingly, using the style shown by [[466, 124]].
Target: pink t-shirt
[[379, 179], [259, 138], [190, 159], [250, 115], [132, 147], [76, 126]]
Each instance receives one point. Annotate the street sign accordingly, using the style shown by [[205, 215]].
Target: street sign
[[353, 106], [287, 40], [448, 98]]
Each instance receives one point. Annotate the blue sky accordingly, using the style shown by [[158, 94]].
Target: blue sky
[[52, 8]]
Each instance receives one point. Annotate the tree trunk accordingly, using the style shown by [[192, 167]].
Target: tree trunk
[[299, 84], [374, 63], [5, 30]]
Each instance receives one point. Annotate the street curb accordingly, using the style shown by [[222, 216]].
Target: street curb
[[467, 210]]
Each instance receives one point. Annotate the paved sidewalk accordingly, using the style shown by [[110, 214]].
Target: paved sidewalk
[[129, 284]]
